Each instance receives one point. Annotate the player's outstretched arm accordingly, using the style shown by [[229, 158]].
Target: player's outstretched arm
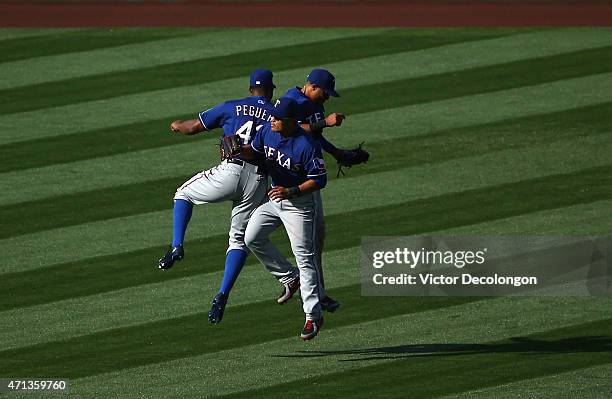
[[312, 185], [334, 119], [316, 130], [189, 127], [328, 147]]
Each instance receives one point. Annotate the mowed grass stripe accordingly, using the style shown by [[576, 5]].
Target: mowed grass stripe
[[33, 216], [192, 72], [236, 369], [423, 119], [522, 44], [19, 33], [200, 44], [65, 42], [141, 107], [157, 301], [400, 93], [499, 77], [590, 382], [471, 54], [410, 217], [503, 135], [93, 144], [144, 344], [132, 233], [106, 311], [478, 80], [578, 220], [491, 363], [134, 137]]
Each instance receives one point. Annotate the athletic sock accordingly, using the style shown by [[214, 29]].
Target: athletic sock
[[182, 214], [234, 261]]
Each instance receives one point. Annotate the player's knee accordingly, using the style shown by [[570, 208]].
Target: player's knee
[[237, 245], [237, 242], [251, 240], [180, 195]]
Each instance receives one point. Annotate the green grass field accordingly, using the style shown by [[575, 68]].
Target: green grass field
[[471, 131]]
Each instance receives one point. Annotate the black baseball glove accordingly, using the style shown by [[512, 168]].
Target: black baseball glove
[[352, 157], [230, 146]]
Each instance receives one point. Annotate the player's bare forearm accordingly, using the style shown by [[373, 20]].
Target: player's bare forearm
[[188, 127], [279, 193], [309, 186]]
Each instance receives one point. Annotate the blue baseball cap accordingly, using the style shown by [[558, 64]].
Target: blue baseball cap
[[285, 107], [325, 80], [262, 77]]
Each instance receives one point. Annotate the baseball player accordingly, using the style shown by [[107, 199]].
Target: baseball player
[[296, 167], [320, 85], [242, 181]]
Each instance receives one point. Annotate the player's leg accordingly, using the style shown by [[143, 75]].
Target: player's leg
[[181, 216], [319, 239], [262, 223], [251, 193], [327, 303], [212, 185], [298, 217]]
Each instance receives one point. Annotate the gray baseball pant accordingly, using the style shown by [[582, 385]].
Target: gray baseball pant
[[298, 217], [228, 182], [319, 240]]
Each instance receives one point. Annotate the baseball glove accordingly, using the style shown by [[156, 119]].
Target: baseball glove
[[352, 157], [230, 146]]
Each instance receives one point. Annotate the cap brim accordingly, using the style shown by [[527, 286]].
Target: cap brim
[[332, 93], [278, 115]]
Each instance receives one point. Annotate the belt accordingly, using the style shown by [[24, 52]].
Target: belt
[[258, 169]]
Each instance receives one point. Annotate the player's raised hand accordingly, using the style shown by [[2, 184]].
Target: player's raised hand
[[334, 119], [189, 127], [174, 126]]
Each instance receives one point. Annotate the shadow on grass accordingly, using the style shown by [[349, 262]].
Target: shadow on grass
[[513, 345]]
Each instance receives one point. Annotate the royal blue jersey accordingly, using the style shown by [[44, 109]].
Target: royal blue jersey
[[242, 117], [290, 160], [310, 112]]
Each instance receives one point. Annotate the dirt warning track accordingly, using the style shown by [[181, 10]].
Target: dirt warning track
[[303, 14]]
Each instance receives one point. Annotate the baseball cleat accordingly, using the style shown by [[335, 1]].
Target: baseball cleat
[[329, 304], [311, 329], [173, 254], [288, 291], [218, 307]]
